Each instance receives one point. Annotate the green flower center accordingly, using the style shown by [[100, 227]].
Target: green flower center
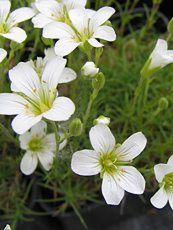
[[108, 163], [42, 101], [168, 182], [2, 29], [36, 144]]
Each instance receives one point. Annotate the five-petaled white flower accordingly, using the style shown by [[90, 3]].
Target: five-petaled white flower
[[85, 26], [164, 175], [35, 97], [9, 21], [159, 58], [52, 10], [39, 64], [3, 54], [39, 146], [112, 163]]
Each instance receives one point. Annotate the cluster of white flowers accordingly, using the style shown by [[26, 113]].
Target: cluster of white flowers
[[35, 97]]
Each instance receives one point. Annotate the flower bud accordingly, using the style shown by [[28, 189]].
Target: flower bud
[[7, 227], [170, 26], [16, 46], [90, 69], [102, 120], [76, 127], [98, 82], [163, 103]]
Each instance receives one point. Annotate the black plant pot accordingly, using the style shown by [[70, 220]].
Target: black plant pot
[[134, 213], [96, 215]]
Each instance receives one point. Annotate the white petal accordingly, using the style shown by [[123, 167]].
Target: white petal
[[50, 143], [161, 170], [46, 160], [65, 46], [29, 163], [106, 33], [56, 30], [130, 179], [3, 54], [132, 147], [11, 104], [170, 161], [101, 16], [111, 191], [85, 163], [62, 109], [73, 4], [23, 122], [41, 20], [170, 198], [20, 15], [24, 140], [102, 139], [39, 129], [15, 34], [25, 79], [161, 45], [90, 12], [53, 71], [5, 6], [49, 8], [49, 54], [67, 75], [93, 42], [79, 18], [62, 145], [160, 198]]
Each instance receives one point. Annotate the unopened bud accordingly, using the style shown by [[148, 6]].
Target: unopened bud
[[170, 26], [163, 103], [7, 227], [89, 69], [98, 82], [102, 120], [76, 127]]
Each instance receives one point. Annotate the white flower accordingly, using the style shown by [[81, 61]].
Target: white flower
[[39, 146], [161, 56], [53, 11], [86, 26], [90, 69], [35, 97], [112, 163], [9, 21], [164, 175], [3, 54], [7, 227], [102, 120], [39, 65]]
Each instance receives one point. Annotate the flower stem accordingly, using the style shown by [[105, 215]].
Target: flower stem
[[6, 132], [57, 137], [89, 107]]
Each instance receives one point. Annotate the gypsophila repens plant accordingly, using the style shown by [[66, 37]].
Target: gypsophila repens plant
[[81, 96]]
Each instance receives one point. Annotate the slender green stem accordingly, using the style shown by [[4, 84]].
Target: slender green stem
[[6, 133], [57, 137], [143, 86], [89, 107]]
